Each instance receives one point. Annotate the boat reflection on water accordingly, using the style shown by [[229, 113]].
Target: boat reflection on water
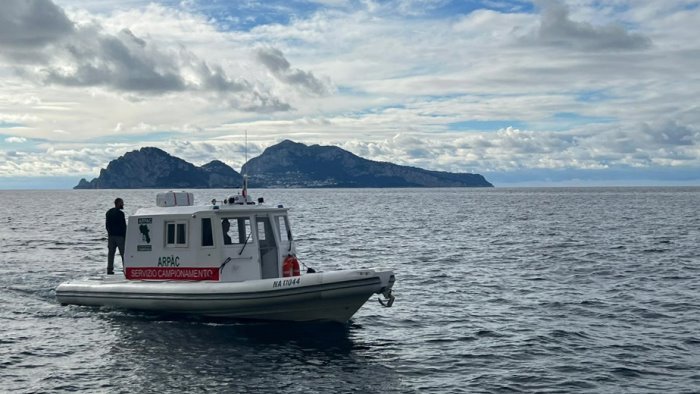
[[152, 352]]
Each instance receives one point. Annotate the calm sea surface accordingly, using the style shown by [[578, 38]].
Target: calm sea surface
[[499, 290]]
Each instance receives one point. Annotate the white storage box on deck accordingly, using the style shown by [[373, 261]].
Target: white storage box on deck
[[174, 199]]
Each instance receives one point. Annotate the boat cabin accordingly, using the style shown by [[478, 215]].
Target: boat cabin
[[232, 240]]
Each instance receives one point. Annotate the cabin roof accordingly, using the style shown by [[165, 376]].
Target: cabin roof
[[216, 209]]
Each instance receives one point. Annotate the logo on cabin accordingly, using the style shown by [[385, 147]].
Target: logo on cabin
[[169, 261], [145, 231]]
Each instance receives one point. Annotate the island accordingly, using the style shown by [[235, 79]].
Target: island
[[287, 164]]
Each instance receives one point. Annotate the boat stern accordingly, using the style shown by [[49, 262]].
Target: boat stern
[[387, 279]]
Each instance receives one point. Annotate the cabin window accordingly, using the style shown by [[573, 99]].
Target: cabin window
[[285, 234], [181, 239], [261, 229], [207, 237], [176, 234], [171, 234], [236, 230], [265, 234]]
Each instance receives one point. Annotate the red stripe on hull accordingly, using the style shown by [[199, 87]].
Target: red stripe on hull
[[172, 273]]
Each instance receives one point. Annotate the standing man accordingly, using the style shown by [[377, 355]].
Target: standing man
[[116, 232]]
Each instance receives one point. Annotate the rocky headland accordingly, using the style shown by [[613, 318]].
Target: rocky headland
[[287, 164], [152, 168]]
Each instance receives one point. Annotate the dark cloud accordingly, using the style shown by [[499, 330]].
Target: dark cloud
[[671, 133], [274, 60], [123, 62], [38, 33], [557, 29], [214, 78], [30, 24], [128, 63], [264, 103]]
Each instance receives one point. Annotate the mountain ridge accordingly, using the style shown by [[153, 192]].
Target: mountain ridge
[[283, 165], [295, 164], [151, 167]]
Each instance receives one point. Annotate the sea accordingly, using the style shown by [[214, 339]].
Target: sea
[[499, 290]]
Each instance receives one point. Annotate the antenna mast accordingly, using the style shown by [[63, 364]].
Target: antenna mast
[[245, 177]]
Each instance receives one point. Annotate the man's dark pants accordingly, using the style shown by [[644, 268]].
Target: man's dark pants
[[114, 242]]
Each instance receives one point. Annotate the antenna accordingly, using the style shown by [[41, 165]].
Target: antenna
[[245, 177]]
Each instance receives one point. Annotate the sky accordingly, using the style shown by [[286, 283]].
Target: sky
[[526, 93]]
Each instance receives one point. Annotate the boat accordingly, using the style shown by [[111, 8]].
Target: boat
[[230, 258]]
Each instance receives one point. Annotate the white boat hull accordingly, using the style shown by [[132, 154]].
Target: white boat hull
[[325, 296]]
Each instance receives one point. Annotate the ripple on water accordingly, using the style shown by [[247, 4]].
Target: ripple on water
[[520, 290]]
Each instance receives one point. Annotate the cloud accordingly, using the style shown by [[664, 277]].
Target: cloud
[[48, 48], [506, 150], [15, 140], [32, 24], [558, 30], [589, 90], [275, 61], [79, 159], [671, 133], [646, 145], [123, 62], [264, 104]]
